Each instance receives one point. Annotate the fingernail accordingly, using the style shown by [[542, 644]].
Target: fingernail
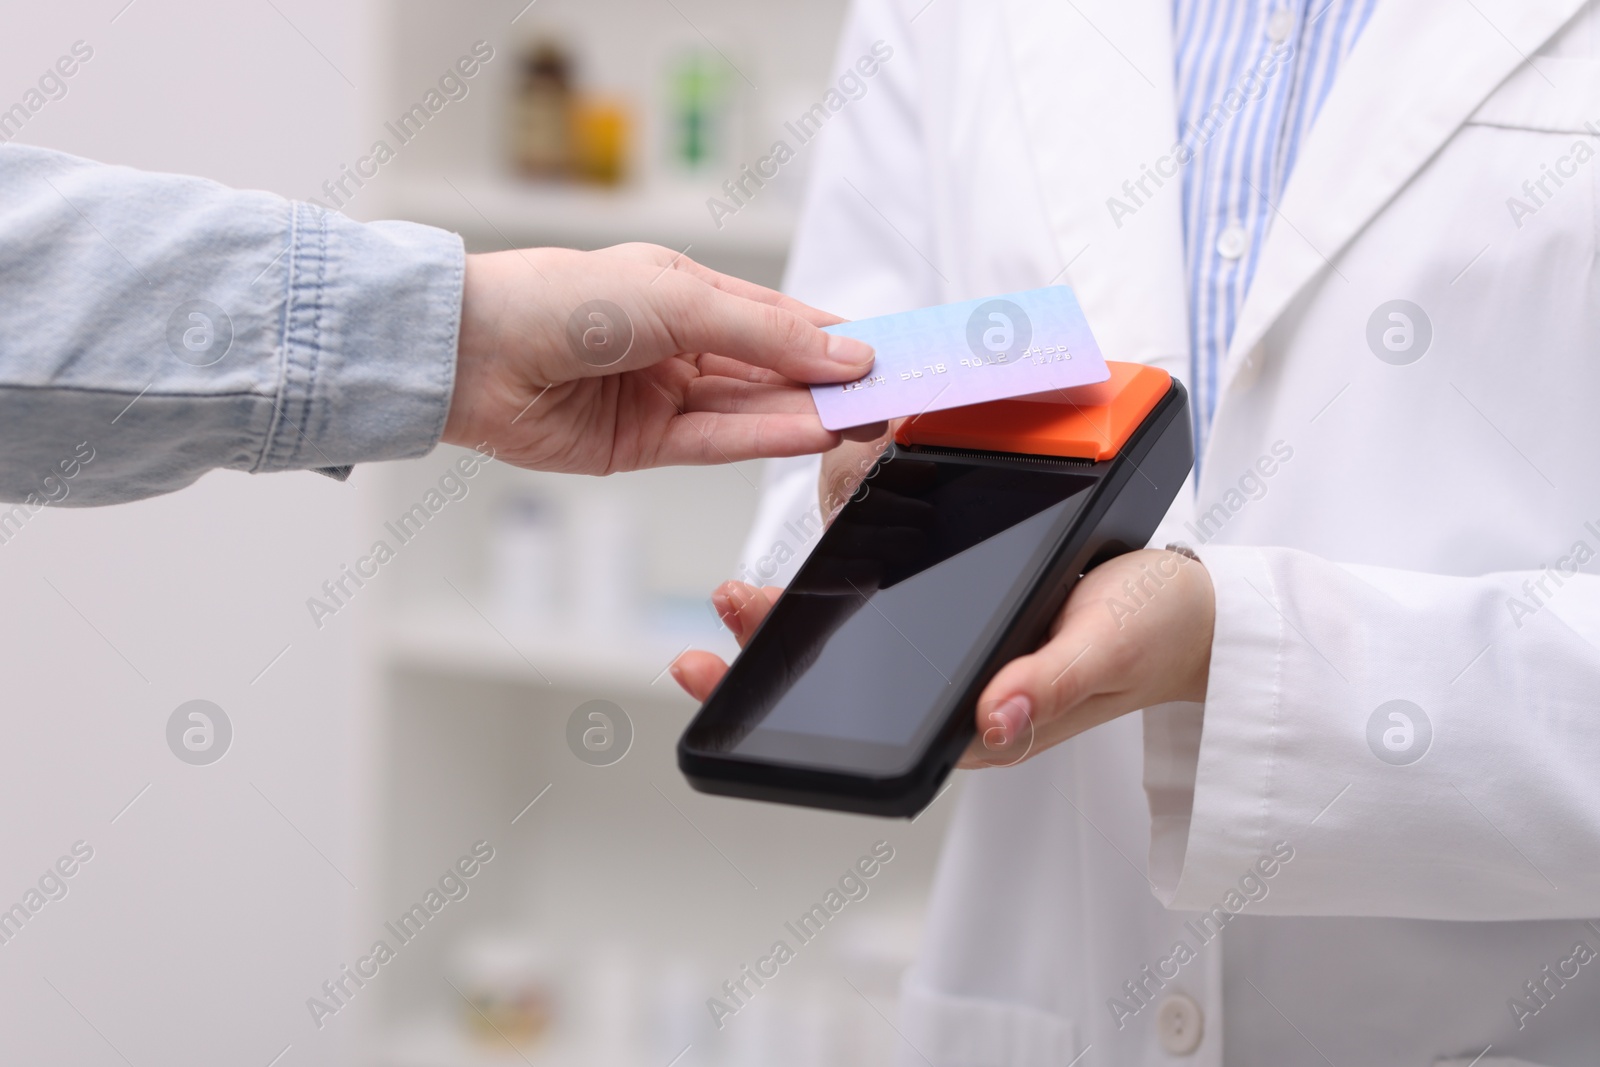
[[1010, 718], [848, 350], [677, 674]]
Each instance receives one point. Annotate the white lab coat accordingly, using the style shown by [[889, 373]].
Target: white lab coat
[[1384, 560]]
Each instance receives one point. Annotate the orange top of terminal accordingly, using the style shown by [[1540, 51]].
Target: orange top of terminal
[[1089, 422]]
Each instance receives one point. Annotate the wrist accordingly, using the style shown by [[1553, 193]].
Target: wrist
[[474, 354], [1201, 631]]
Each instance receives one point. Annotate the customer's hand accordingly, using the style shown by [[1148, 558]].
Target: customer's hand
[[635, 356], [1105, 656]]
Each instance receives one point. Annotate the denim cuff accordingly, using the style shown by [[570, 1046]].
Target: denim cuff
[[370, 324]]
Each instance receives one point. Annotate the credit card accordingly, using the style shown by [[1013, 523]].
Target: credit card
[[949, 356]]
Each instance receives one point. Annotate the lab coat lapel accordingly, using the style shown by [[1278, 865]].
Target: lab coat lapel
[[1418, 71], [1095, 83]]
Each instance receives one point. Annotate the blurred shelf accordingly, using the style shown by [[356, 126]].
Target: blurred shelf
[[631, 663], [531, 213]]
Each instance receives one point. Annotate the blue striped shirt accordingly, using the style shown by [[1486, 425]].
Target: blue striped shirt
[[1251, 77]]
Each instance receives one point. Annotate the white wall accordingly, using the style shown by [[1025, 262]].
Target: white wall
[[204, 919]]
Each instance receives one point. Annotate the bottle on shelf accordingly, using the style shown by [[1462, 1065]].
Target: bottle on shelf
[[700, 94], [509, 983], [542, 113], [525, 550], [601, 132]]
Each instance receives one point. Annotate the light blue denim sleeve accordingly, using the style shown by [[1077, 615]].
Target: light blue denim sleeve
[[154, 327]]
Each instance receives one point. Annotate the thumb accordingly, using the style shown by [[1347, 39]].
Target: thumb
[[1019, 709]]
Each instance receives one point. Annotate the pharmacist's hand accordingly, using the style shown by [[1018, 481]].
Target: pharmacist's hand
[[635, 356], [1135, 632], [1109, 653], [741, 608]]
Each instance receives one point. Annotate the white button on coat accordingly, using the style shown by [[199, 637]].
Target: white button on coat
[[1179, 1024], [1231, 242], [1279, 25]]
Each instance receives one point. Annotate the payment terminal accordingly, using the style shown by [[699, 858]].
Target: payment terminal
[[858, 691]]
